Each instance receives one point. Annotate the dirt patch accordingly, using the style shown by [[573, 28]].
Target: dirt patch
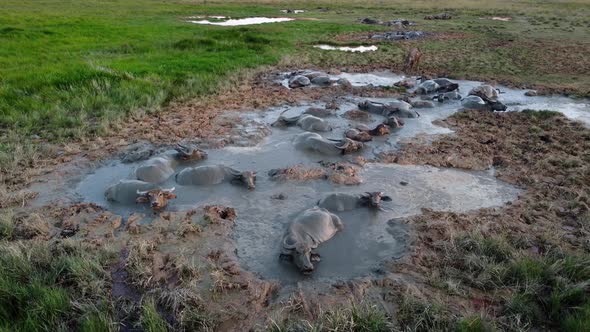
[[336, 172]]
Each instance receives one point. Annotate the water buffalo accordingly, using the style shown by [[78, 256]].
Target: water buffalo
[[158, 198], [452, 95], [445, 85], [319, 112], [343, 202], [322, 80], [305, 121], [305, 233], [485, 91], [315, 142], [299, 81], [394, 122], [159, 169], [426, 87], [422, 104], [135, 191], [364, 134], [474, 102], [214, 174], [479, 103], [399, 108]]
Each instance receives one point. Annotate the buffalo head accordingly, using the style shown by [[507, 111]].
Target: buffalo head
[[189, 152], [248, 178], [374, 199], [381, 130], [349, 146], [158, 198], [299, 253]]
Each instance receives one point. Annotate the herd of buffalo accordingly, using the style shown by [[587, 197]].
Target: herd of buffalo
[[320, 223]]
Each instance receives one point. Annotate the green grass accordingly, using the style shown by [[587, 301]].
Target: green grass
[[548, 290], [150, 318], [70, 69], [47, 286], [417, 315], [354, 318]]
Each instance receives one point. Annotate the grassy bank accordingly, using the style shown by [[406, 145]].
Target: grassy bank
[[70, 68]]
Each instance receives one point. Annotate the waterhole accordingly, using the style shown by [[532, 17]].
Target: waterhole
[[369, 237]]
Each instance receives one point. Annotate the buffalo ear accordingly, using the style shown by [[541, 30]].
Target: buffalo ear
[[386, 198], [168, 195], [141, 199]]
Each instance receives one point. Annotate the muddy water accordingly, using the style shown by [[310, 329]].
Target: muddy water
[[575, 109], [368, 238]]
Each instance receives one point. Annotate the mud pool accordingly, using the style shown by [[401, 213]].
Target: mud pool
[[369, 237], [575, 109]]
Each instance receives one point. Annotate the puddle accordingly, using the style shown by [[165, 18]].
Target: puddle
[[497, 18], [243, 21], [354, 49]]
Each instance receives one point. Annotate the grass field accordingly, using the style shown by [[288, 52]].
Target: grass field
[[68, 69]]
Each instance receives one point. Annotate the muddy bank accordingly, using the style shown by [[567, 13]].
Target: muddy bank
[[543, 152]]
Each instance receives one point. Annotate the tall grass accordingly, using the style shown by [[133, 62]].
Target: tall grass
[[48, 286]]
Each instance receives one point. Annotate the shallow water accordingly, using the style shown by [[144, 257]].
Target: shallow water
[[368, 238], [575, 109], [357, 49], [244, 21]]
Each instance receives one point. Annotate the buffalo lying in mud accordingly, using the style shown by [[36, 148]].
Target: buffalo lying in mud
[[159, 169], [305, 233], [214, 174], [483, 97], [306, 122], [315, 142], [440, 85], [130, 191], [452, 95], [394, 122], [398, 108], [320, 112], [343, 202], [364, 134]]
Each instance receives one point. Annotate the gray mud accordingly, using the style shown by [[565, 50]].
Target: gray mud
[[575, 109], [369, 237]]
